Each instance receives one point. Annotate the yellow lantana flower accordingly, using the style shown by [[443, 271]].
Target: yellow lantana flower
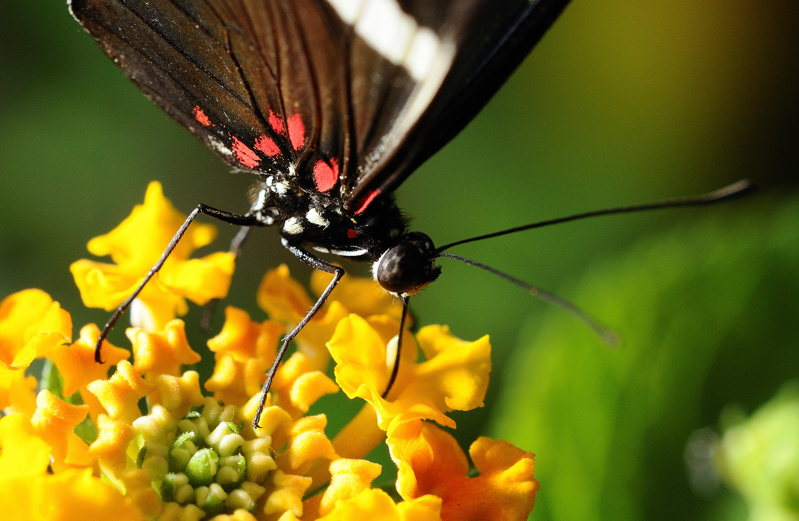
[[135, 246], [148, 442]]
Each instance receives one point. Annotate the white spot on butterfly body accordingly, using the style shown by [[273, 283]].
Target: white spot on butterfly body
[[292, 226], [350, 253], [261, 201], [315, 217], [281, 188]]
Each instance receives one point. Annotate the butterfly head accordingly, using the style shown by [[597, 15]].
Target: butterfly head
[[408, 266]]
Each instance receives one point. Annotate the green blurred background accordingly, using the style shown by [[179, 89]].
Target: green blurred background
[[622, 102]]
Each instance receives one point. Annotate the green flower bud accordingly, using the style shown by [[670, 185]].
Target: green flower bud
[[202, 467]]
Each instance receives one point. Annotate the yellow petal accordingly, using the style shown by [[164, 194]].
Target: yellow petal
[[23, 455], [349, 477], [273, 419], [142, 237], [431, 462], [245, 349], [243, 339], [111, 445], [17, 391], [287, 495], [234, 382], [428, 460], [73, 495], [454, 376], [283, 297], [376, 505], [76, 362], [177, 394], [508, 472], [360, 435], [360, 355], [30, 321], [425, 508], [163, 352], [312, 340], [459, 369], [27, 313], [200, 280], [78, 456], [306, 442], [297, 387], [55, 420], [103, 285], [121, 393]]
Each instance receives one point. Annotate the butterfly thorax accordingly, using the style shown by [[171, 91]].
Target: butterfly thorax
[[306, 216]]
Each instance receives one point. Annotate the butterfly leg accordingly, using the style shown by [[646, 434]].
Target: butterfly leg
[[317, 264], [231, 218]]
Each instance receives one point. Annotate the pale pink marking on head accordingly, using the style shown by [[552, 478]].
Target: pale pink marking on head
[[325, 175], [200, 116], [267, 145], [296, 131], [351, 234], [367, 200], [245, 154], [276, 123]]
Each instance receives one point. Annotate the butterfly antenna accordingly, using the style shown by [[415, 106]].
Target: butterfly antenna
[[739, 189], [735, 190], [608, 336]]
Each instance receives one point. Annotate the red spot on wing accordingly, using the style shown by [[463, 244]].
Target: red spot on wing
[[367, 200], [267, 145], [351, 234], [200, 116], [245, 154], [296, 131], [276, 123], [325, 175]]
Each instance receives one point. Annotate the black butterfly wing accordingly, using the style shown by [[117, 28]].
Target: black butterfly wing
[[490, 42], [371, 87], [231, 71]]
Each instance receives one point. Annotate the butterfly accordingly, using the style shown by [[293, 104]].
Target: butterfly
[[331, 104]]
